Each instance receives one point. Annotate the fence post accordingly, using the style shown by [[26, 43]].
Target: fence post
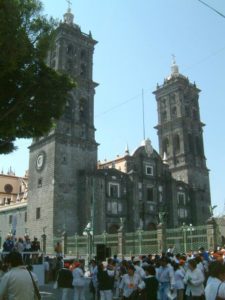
[[121, 240], [161, 238], [140, 232], [104, 235], [211, 233], [64, 243], [44, 242], [76, 244]]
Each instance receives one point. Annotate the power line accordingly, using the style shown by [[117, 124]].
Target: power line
[[119, 105], [203, 59], [212, 8]]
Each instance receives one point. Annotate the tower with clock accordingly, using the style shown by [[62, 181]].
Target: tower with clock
[[58, 159]]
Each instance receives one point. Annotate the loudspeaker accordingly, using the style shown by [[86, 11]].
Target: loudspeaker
[[101, 252]]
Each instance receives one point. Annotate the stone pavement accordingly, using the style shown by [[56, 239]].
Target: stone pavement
[[49, 293]]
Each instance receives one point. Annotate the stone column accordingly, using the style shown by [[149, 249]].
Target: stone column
[[161, 238], [211, 234], [64, 243]]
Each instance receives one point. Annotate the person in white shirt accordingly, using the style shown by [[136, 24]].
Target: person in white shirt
[[17, 282], [139, 270], [165, 276], [215, 284], [194, 281], [179, 283], [130, 283], [79, 281]]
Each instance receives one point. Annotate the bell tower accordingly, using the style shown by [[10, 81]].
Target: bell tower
[[58, 159], [180, 134]]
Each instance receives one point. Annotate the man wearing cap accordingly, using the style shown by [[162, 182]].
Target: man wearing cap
[[138, 269]]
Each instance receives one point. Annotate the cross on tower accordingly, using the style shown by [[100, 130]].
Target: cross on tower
[[174, 59], [69, 3]]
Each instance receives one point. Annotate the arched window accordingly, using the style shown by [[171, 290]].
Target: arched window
[[166, 145], [69, 65], [83, 54], [164, 116], [187, 111], [83, 70], [195, 114], [174, 112], [199, 146], [151, 226], [191, 143], [172, 98], [113, 228], [70, 49], [83, 110], [176, 142]]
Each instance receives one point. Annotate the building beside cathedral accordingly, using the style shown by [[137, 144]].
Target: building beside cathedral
[[68, 188]]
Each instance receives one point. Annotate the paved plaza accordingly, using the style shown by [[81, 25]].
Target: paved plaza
[[48, 292]]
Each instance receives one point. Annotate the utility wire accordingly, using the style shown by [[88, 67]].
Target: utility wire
[[119, 105], [212, 8]]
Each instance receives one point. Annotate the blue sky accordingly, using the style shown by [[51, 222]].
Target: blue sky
[[136, 43]]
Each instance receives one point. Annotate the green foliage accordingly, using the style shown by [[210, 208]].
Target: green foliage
[[32, 95]]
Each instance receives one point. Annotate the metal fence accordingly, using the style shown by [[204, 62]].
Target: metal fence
[[183, 239], [187, 238]]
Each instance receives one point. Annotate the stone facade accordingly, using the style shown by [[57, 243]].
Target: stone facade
[[180, 132], [68, 189], [57, 160]]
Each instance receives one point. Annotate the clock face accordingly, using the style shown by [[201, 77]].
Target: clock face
[[40, 161]]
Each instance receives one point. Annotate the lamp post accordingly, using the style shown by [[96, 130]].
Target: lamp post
[[88, 232], [187, 228], [184, 229], [191, 229]]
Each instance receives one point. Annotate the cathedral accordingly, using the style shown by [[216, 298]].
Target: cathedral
[[69, 188]]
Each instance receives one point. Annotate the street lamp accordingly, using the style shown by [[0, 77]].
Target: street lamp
[[191, 229], [88, 232], [186, 229]]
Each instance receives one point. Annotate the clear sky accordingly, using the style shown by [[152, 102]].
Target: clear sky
[[136, 43]]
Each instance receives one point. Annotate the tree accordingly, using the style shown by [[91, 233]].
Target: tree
[[32, 95]]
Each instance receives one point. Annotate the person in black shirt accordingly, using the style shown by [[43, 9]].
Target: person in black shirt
[[151, 283], [65, 279], [35, 247], [105, 278]]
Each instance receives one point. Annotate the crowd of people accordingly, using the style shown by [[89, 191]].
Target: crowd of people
[[194, 276], [23, 245], [169, 276]]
